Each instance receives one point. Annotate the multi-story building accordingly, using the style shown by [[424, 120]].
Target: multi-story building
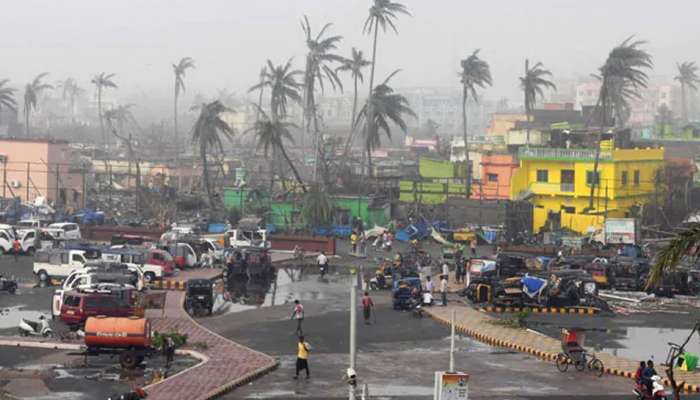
[[34, 168], [558, 183], [497, 171]]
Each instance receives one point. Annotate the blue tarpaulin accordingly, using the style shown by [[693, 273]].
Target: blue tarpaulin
[[533, 286]]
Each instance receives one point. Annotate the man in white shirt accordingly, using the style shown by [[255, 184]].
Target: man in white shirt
[[322, 262], [428, 285], [445, 268], [443, 290]]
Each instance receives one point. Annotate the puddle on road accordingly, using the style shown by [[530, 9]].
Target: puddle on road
[[644, 343], [281, 287], [10, 316]]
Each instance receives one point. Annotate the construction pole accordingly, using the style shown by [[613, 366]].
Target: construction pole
[[4, 178], [58, 184], [84, 185], [452, 341], [28, 178]]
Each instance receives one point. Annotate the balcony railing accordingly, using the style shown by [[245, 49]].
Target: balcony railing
[[561, 154]]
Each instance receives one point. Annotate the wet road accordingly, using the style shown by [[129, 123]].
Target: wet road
[[397, 356]]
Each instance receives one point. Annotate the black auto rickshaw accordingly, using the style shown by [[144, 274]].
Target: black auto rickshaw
[[199, 297]]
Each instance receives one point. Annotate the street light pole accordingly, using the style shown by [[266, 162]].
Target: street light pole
[[452, 342], [353, 328]]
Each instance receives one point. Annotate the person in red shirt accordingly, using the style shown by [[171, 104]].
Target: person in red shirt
[[640, 370], [367, 305], [16, 248]]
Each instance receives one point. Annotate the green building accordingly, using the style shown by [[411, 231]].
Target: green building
[[286, 215], [438, 180]]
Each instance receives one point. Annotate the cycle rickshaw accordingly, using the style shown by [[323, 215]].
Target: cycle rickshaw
[[573, 353]]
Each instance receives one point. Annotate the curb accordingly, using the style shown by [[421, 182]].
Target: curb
[[543, 310], [168, 284], [40, 345], [546, 356]]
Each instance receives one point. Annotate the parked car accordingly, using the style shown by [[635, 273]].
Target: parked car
[[80, 304], [151, 272], [58, 263], [35, 240], [6, 240], [69, 230], [85, 279]]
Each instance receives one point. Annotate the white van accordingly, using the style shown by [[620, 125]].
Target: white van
[[71, 231], [6, 239], [58, 263]]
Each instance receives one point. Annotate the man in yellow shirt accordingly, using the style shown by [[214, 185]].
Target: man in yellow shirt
[[353, 241], [303, 349]]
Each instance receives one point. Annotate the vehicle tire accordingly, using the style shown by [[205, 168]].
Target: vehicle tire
[[128, 359], [47, 334], [43, 276], [149, 277], [562, 362], [597, 367]]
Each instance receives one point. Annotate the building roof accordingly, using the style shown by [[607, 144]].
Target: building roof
[[33, 140]]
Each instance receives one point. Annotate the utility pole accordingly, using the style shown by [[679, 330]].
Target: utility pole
[[27, 183], [452, 342], [353, 331], [4, 177]]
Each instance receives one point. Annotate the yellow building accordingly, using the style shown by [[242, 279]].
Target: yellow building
[[558, 183]]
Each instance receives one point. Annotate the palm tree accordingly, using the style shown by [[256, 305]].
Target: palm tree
[[622, 78], [317, 209], [283, 84], [262, 90], [685, 243], [179, 70], [7, 96], [381, 14], [69, 92], [116, 119], [688, 78], [355, 64], [533, 84], [475, 73], [271, 134], [318, 68], [31, 96], [206, 133], [102, 81], [389, 108]]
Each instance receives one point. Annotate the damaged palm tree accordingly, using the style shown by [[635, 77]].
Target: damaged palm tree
[[533, 84], [317, 209], [31, 97], [7, 96], [207, 133], [102, 81]]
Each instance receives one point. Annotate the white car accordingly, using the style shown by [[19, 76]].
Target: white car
[[70, 230], [58, 263], [36, 240], [6, 240]]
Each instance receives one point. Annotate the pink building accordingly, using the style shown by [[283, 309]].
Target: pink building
[[34, 168], [496, 172]]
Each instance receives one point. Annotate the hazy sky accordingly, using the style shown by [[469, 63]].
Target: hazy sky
[[230, 39]]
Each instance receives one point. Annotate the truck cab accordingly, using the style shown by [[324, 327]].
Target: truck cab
[[183, 254], [58, 263], [35, 240], [121, 254], [67, 230]]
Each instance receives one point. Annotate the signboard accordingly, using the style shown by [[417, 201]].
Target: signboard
[[620, 230], [451, 386]]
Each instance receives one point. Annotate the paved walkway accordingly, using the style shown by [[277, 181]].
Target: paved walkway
[[229, 364], [479, 325]]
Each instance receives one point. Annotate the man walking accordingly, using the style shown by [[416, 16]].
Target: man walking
[[443, 290], [298, 314], [303, 349], [353, 241], [472, 245], [367, 306]]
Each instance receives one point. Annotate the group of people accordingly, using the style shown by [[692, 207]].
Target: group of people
[[645, 373], [358, 240]]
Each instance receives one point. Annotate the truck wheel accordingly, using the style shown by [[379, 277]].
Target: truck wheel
[[128, 359], [43, 276], [149, 277]]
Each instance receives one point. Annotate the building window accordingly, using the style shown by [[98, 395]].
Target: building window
[[624, 178], [569, 210], [636, 177], [592, 178], [492, 177], [542, 175]]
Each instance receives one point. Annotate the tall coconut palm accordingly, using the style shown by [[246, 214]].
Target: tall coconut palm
[[69, 93], [7, 96], [283, 85], [102, 81], [116, 120], [179, 70], [475, 73], [31, 96], [688, 78], [319, 62], [207, 133], [271, 134], [355, 64], [622, 78], [533, 84], [389, 108], [381, 14], [261, 91]]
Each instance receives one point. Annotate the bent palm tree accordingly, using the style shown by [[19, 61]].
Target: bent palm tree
[[319, 60], [389, 108], [7, 96], [69, 92], [533, 84], [317, 209], [271, 134], [283, 85], [475, 73], [355, 64], [31, 96], [686, 243], [102, 81], [688, 78], [116, 119], [207, 133], [179, 70], [623, 78], [381, 14]]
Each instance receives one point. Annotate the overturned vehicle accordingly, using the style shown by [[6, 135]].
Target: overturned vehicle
[[564, 288]]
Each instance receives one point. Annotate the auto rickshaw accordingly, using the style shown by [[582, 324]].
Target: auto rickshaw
[[573, 352], [199, 297]]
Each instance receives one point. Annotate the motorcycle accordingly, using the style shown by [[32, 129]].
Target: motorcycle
[[416, 308], [322, 270], [657, 390], [30, 328]]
